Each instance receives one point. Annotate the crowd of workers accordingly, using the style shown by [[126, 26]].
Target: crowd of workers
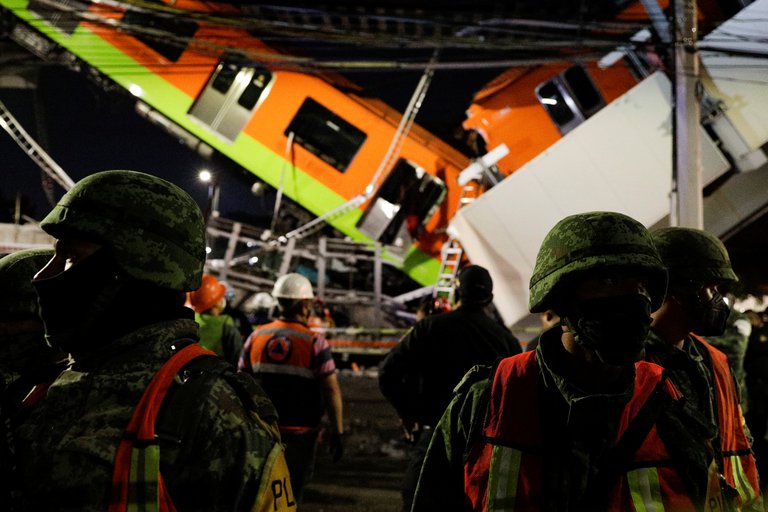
[[622, 403]]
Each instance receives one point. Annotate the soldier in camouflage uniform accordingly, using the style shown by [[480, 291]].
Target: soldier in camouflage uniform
[[128, 246], [576, 424], [733, 343], [700, 274], [27, 363]]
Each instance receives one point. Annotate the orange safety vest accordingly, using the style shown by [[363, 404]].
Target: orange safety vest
[[283, 347], [136, 482], [504, 468], [739, 467], [281, 355]]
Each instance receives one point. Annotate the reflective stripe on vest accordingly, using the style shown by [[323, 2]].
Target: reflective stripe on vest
[[746, 492], [137, 484], [282, 369], [502, 478], [645, 490], [644, 486]]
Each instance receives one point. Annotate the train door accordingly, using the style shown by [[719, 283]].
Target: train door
[[404, 202], [230, 97]]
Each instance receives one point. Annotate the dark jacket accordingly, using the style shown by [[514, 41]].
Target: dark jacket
[[419, 374]]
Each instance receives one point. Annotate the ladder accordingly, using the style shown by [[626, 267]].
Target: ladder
[[452, 253], [33, 149]]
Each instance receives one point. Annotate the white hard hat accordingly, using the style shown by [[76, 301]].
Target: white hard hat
[[261, 300], [292, 286]]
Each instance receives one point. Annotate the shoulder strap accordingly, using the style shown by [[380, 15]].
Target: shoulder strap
[[622, 454], [175, 417], [136, 477]]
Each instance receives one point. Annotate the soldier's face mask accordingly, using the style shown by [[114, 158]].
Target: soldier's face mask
[[613, 327], [709, 311], [72, 301]]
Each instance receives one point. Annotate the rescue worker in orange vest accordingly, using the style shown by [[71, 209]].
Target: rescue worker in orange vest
[[143, 418], [577, 424], [296, 369], [700, 274], [217, 330]]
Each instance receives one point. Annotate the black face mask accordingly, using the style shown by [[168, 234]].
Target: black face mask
[[710, 316], [74, 301], [614, 328]]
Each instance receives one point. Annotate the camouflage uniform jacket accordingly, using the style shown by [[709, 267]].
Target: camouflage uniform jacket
[[214, 461], [577, 424], [733, 343], [690, 370]]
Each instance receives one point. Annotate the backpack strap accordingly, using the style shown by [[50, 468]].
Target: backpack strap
[[136, 481]]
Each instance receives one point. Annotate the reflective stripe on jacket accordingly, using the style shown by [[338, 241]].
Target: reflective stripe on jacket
[[136, 482], [739, 466], [504, 470]]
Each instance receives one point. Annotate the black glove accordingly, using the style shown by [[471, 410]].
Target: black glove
[[336, 446]]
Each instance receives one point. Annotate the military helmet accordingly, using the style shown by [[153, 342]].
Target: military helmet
[[594, 241], [154, 229], [693, 256], [19, 299]]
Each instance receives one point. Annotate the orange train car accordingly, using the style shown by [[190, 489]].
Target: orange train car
[[192, 63], [528, 109]]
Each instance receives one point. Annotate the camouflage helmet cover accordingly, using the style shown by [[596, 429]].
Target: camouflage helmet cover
[[19, 299], [154, 228], [590, 242], [693, 256]]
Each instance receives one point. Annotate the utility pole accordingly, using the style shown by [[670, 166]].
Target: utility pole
[[687, 200]]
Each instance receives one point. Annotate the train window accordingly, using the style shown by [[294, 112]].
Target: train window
[[224, 76], [167, 36], [404, 202], [325, 134], [258, 83], [61, 15], [583, 89], [570, 98], [552, 98]]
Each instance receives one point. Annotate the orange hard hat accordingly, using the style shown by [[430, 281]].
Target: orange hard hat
[[208, 295]]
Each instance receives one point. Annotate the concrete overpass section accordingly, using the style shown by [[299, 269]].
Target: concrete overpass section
[[620, 160]]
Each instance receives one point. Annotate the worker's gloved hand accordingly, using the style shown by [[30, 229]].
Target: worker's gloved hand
[[336, 446]]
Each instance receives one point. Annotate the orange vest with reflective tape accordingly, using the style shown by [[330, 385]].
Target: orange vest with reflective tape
[[739, 466], [504, 470], [136, 481]]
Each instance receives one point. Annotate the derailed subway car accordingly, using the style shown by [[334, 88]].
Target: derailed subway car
[[598, 136], [196, 71]]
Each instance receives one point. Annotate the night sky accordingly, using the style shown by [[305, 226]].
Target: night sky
[[86, 130]]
